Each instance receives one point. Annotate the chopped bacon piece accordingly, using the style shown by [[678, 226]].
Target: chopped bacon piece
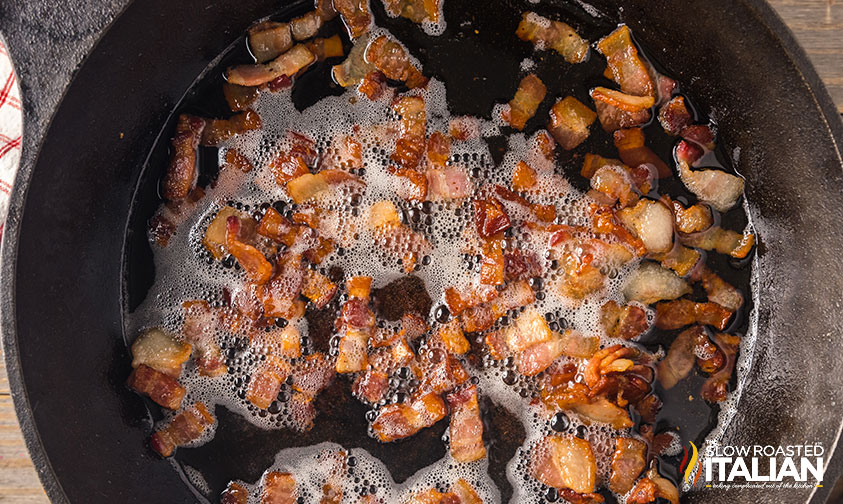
[[410, 145], [600, 409], [160, 351], [523, 106], [181, 172], [284, 342], [569, 122], [452, 338], [371, 385], [720, 291], [652, 487], [236, 160], [287, 64], [373, 84], [161, 388], [674, 116], [417, 11], [287, 166], [276, 227], [693, 219], [466, 429], [651, 283], [306, 25], [357, 321], [280, 293], [450, 182], [251, 259], [565, 462], [519, 265], [214, 239], [390, 57], [397, 421], [613, 118], [625, 65], [465, 492], [643, 493], [715, 387], [616, 184], [234, 493], [493, 263], [318, 288], [679, 360], [355, 15], [219, 130], [185, 427], [458, 301], [414, 187], [441, 372], [593, 162], [683, 312], [438, 149], [681, 259], [540, 356], [580, 498], [356, 66], [324, 48], [239, 97], [313, 374], [279, 488], [576, 344], [523, 177], [688, 152], [160, 229], [622, 101], [490, 217], [302, 412], [309, 186], [269, 39], [627, 322], [544, 33], [266, 380], [633, 152], [481, 317], [700, 134], [200, 322], [724, 241], [650, 221], [719, 189], [464, 128], [628, 461]]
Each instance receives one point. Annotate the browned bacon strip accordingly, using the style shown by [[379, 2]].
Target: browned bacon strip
[[279, 488], [411, 142], [625, 322], [285, 65], [218, 130], [257, 268], [185, 427], [159, 387], [181, 173], [522, 107], [466, 429], [265, 382], [355, 15], [628, 461], [682, 312], [625, 65], [569, 122], [390, 57], [397, 421], [556, 35]]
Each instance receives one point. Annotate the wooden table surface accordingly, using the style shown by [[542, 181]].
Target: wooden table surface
[[818, 25]]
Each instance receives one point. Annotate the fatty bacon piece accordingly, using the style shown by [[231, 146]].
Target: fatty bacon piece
[[185, 427], [279, 488], [544, 33], [461, 493], [280, 295], [447, 183], [310, 186], [219, 130], [532, 343], [161, 388], [287, 65], [652, 487], [625, 322], [612, 184], [651, 283], [628, 462], [481, 317], [720, 291], [723, 241], [355, 14], [160, 351], [691, 219], [390, 57], [318, 288], [679, 360], [252, 260], [715, 388], [180, 178], [530, 93], [459, 300], [234, 493], [674, 116], [651, 222], [569, 122], [466, 428], [265, 382], [565, 462], [355, 67], [410, 146], [719, 189], [200, 324], [618, 110], [269, 39], [417, 11], [324, 48], [356, 324], [625, 65], [214, 239], [683, 312], [398, 421]]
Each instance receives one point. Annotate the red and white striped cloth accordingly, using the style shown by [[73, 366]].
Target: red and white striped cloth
[[11, 129]]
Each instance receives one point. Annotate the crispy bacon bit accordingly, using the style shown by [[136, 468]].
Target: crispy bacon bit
[[683, 312], [390, 57], [466, 429], [693, 219], [214, 239], [616, 184], [523, 177], [417, 11], [287, 65], [236, 160], [200, 322], [318, 288], [651, 283], [625, 65], [652, 222], [410, 145], [373, 85], [185, 427], [306, 25], [251, 259], [441, 372], [613, 118], [239, 97], [481, 317], [265, 382], [652, 487], [622, 101], [544, 33], [643, 493], [679, 360], [438, 149], [355, 15], [715, 387], [490, 217], [458, 301], [569, 122], [276, 227], [580, 498], [414, 187], [633, 152], [269, 39], [371, 385], [565, 462], [181, 172], [627, 322], [280, 294], [465, 492], [234, 493], [279, 488], [628, 461], [324, 48], [719, 189], [523, 106], [161, 388], [451, 337], [357, 322], [309, 186], [397, 421], [724, 241], [160, 351], [720, 291], [450, 182], [674, 116], [593, 162]]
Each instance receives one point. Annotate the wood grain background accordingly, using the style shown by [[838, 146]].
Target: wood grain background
[[818, 25]]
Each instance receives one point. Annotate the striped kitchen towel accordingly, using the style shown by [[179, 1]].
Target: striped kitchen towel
[[11, 129]]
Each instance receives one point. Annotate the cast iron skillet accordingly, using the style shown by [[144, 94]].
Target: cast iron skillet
[[63, 245]]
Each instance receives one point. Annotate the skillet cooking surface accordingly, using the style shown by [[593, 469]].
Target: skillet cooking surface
[[78, 415]]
